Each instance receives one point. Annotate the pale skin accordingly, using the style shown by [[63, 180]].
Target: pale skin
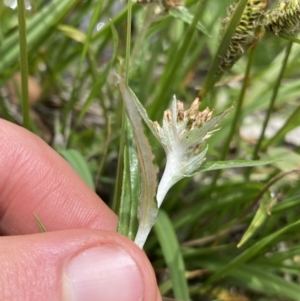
[[34, 266]]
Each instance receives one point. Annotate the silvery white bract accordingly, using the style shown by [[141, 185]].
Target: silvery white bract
[[182, 135]]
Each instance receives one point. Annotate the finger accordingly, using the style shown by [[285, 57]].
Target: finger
[[74, 265], [35, 179]]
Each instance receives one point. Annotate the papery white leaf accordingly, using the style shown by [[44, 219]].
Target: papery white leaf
[[147, 210], [142, 112]]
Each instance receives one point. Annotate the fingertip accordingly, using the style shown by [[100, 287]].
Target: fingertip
[[37, 180], [159, 297], [75, 265]]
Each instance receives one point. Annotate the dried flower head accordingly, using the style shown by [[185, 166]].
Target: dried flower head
[[244, 35], [285, 18], [182, 135]]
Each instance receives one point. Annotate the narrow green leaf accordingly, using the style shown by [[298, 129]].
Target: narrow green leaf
[[40, 224], [215, 165], [172, 75], [143, 113], [78, 162], [265, 281], [73, 33], [286, 159], [119, 187], [93, 22], [257, 277], [23, 63], [166, 236], [147, 210], [260, 216], [271, 105], [128, 40], [131, 187], [183, 14], [101, 79], [289, 38], [289, 204], [252, 251]]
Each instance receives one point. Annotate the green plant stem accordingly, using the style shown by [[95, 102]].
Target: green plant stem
[[92, 25], [128, 40], [238, 111], [140, 39], [118, 187], [168, 79], [105, 30], [289, 38], [273, 98], [168, 241], [85, 54], [23, 63]]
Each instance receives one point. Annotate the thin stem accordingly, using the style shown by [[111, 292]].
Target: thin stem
[[118, 187], [271, 106], [23, 63], [177, 60], [128, 40], [105, 150], [238, 110], [85, 54], [92, 25], [289, 38]]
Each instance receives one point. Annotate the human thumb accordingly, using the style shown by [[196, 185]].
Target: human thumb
[[74, 265]]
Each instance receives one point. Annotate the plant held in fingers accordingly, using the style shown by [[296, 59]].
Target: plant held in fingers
[[182, 135]]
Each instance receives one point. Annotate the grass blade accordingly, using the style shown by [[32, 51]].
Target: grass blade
[[217, 165], [23, 63], [147, 210], [165, 233], [252, 251], [183, 14], [79, 164], [131, 187]]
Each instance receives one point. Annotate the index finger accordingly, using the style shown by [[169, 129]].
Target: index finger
[[34, 179]]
